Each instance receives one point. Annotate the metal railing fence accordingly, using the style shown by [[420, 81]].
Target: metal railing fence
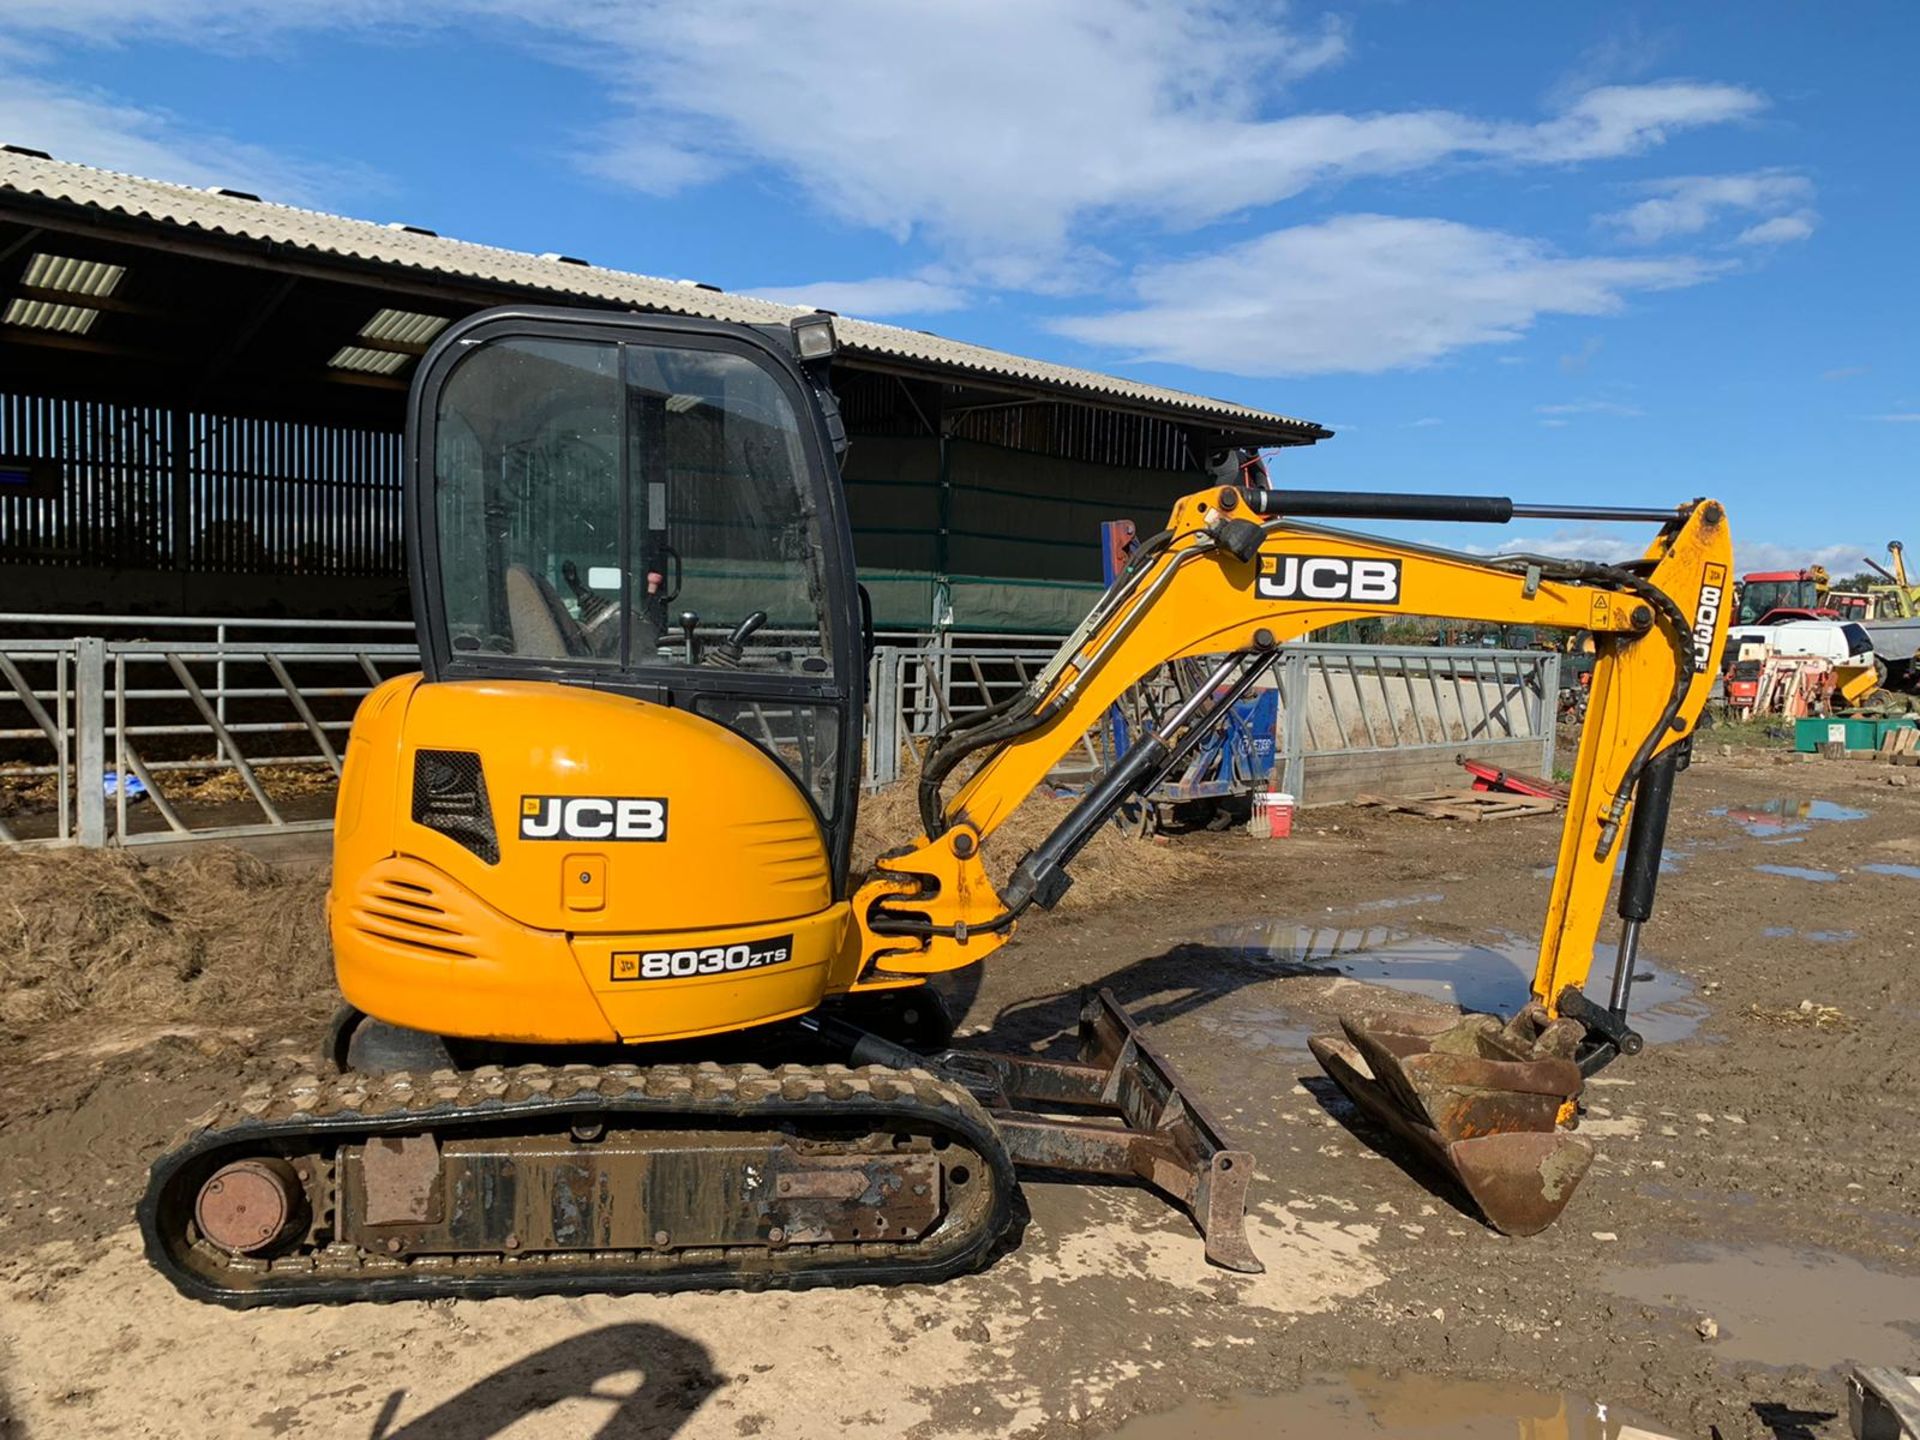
[[1334, 700], [116, 730], [235, 727]]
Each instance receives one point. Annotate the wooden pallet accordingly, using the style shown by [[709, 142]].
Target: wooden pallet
[[1471, 806], [1883, 1404], [1898, 743]]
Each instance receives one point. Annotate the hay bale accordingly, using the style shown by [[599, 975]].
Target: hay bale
[[110, 934], [221, 932]]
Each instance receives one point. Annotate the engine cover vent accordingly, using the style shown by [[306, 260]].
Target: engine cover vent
[[450, 797]]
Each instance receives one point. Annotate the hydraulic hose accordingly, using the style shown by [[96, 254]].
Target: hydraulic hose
[[1004, 721], [1679, 637]]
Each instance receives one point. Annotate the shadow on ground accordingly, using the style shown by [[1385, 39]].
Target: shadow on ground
[[651, 1380]]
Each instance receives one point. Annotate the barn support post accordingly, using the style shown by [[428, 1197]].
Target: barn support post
[[90, 740]]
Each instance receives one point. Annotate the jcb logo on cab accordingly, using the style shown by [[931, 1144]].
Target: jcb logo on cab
[[592, 817]]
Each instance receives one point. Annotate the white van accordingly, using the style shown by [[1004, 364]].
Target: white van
[[1844, 642]]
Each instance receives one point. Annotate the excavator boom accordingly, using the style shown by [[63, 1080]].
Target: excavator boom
[[1236, 574]]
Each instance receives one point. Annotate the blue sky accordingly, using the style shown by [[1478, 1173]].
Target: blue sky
[[1560, 252]]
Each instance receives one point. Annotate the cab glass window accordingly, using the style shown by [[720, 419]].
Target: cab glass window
[[527, 469], [644, 505]]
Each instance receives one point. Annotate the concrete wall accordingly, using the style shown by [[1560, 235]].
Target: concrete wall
[[1357, 720], [1337, 779]]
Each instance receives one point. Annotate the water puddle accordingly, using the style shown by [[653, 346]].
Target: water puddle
[[1260, 1027], [1673, 859], [1776, 1306], [1495, 977], [1825, 937], [1399, 902], [1912, 872], [1799, 872], [1362, 1405], [1785, 816]]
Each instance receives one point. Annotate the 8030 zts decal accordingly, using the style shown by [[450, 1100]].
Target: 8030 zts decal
[[714, 960]]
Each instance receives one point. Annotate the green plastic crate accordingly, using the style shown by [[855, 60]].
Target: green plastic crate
[[1810, 734]]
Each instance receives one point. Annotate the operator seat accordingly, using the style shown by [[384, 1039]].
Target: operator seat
[[542, 628]]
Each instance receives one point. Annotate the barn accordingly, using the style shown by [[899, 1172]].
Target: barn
[[202, 393]]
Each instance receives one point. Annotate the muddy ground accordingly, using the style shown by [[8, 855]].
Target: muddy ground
[[1752, 1225]]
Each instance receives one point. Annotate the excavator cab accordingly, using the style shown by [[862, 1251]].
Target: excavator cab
[[645, 506], [642, 650]]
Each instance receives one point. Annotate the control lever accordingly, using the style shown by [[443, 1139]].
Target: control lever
[[690, 622], [730, 651]]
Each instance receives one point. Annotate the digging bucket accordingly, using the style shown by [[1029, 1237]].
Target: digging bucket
[[1481, 1101]]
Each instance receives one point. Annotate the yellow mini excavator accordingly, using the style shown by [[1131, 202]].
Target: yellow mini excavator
[[620, 1017]]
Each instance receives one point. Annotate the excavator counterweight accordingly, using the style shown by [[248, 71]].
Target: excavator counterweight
[[620, 1013]]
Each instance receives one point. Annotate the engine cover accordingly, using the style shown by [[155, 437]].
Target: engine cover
[[521, 860]]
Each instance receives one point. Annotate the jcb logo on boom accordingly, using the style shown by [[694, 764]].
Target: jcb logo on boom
[[1706, 615], [1329, 577], [592, 817]]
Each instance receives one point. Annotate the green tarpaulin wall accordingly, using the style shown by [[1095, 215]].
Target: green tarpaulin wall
[[1010, 540]]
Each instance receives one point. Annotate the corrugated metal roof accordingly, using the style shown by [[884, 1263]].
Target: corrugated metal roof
[[228, 213], [50, 315], [75, 277]]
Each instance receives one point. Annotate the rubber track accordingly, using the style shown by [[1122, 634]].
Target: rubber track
[[321, 1113]]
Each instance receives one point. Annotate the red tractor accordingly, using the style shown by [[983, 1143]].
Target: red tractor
[[1768, 597]]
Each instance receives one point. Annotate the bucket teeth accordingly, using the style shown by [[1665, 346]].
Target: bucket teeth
[[1480, 1099]]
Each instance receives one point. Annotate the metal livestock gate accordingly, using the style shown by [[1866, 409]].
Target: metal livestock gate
[[235, 728]]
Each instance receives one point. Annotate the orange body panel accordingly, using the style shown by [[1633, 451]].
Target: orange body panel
[[549, 943]]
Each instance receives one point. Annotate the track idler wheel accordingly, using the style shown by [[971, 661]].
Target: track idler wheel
[[1481, 1100], [252, 1207]]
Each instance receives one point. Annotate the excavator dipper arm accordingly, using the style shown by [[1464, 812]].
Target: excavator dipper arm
[[1236, 574]]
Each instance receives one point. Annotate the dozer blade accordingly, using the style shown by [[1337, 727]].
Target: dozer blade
[[1131, 1114], [1479, 1100]]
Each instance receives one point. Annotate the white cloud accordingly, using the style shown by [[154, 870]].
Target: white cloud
[[994, 128], [1589, 407], [1777, 231], [1007, 138], [1843, 372], [1426, 422], [899, 295], [1576, 362], [1626, 119], [1898, 417], [1613, 546], [1751, 555], [1607, 547], [1363, 293], [1689, 204], [97, 130]]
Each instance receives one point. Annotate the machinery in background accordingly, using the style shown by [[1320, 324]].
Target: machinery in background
[[1234, 763], [1899, 598], [1801, 668], [1895, 625], [1773, 597], [1763, 592]]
